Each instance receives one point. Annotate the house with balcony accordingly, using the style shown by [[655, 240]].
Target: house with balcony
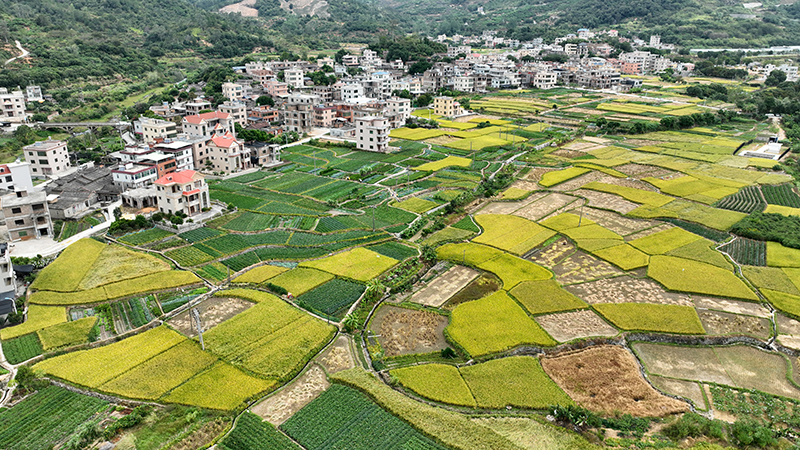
[[372, 134], [47, 158], [184, 191], [27, 215], [226, 154]]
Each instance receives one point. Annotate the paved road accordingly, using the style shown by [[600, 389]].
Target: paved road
[[24, 54]]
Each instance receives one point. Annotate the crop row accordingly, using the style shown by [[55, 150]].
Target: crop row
[[332, 298], [746, 200], [251, 432], [747, 251], [22, 348], [47, 416], [344, 418], [782, 194]]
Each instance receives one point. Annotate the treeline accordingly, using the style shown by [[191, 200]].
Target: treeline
[[666, 123], [770, 227], [409, 48]]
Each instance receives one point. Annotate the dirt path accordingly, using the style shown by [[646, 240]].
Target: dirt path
[[25, 53]]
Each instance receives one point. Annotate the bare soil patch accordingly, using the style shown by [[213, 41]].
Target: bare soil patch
[[616, 223], [734, 306], [787, 325], [686, 389], [738, 366], [536, 173], [553, 254], [213, 312], [544, 206], [565, 327], [243, 8], [202, 436], [482, 286], [509, 207], [627, 289], [648, 232], [338, 357], [608, 379], [276, 408], [438, 291], [578, 182], [607, 201], [579, 145], [721, 323], [642, 171], [628, 182], [404, 331], [595, 139], [565, 153], [580, 267], [526, 185]]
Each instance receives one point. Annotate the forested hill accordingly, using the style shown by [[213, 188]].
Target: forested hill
[[101, 38], [690, 23]]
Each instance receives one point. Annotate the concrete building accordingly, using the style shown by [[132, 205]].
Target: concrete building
[[372, 134], [207, 124], [233, 92], [13, 106], [397, 106], [134, 175], [184, 191], [8, 285], [294, 78], [181, 151], [33, 94], [544, 79], [47, 158], [265, 155], [196, 106], [16, 176], [27, 215], [464, 84], [275, 88], [153, 129], [236, 110], [446, 106], [226, 154], [300, 112], [324, 116], [352, 91]]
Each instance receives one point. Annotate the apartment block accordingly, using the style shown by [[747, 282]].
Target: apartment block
[[134, 175], [184, 191], [226, 154], [237, 111], [445, 106], [232, 91], [372, 133], [294, 78], [27, 215], [207, 124], [16, 176], [47, 158], [13, 106]]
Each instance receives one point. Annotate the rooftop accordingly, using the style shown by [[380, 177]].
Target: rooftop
[[182, 177]]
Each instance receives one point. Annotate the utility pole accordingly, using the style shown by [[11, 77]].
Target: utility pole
[[199, 325]]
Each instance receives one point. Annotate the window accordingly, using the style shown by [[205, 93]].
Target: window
[[8, 179], [16, 210], [19, 222]]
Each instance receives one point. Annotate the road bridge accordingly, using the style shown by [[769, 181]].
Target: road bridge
[[91, 126]]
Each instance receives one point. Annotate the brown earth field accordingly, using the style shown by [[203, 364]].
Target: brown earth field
[[608, 379], [440, 289], [580, 267], [338, 357], [738, 366], [544, 206], [733, 306], [406, 331], [626, 289], [687, 389], [480, 287], [565, 327], [509, 207], [213, 312], [553, 254], [607, 201], [721, 323], [278, 407], [616, 223]]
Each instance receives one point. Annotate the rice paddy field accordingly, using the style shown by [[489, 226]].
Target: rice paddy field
[[513, 263]]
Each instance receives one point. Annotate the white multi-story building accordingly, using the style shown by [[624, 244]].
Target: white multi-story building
[[153, 129], [13, 106], [16, 176], [226, 154], [185, 191], [232, 91], [34, 94], [294, 77], [47, 158], [397, 106], [182, 151], [372, 133], [352, 91], [206, 124], [134, 175], [236, 110], [544, 79], [464, 84], [27, 215]]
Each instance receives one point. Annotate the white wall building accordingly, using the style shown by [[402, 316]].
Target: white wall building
[[16, 176], [372, 133], [47, 158], [12, 106], [294, 77]]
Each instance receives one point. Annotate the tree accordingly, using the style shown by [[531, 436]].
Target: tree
[[265, 100], [775, 78], [419, 67], [339, 56], [25, 135]]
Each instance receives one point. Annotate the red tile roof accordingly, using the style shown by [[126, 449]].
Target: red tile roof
[[182, 177], [224, 141], [197, 118]]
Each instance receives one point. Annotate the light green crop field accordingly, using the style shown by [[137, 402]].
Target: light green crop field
[[555, 177], [357, 264], [678, 274], [301, 280], [65, 334], [565, 221], [651, 317], [66, 272], [259, 274], [623, 256], [450, 161], [513, 270], [221, 387], [701, 250], [517, 381], [547, 296], [416, 205], [631, 194], [438, 382], [39, 317], [780, 256], [494, 324], [511, 233], [664, 241]]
